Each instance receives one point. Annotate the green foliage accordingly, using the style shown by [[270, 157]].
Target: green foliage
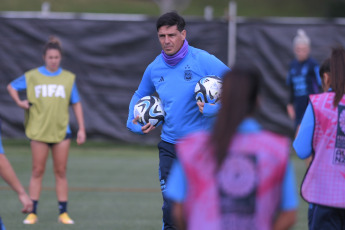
[[336, 8], [248, 8], [90, 6]]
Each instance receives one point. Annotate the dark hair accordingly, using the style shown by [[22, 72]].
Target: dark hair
[[171, 19], [53, 43], [325, 67], [338, 73], [239, 98]]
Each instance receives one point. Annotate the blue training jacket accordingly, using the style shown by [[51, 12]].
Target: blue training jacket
[[303, 78], [175, 87]]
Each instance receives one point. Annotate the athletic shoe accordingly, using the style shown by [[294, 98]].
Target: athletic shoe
[[65, 219], [31, 219]]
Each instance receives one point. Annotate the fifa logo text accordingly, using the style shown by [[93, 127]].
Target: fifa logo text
[[51, 90]]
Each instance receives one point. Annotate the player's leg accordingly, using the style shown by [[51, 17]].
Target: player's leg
[[167, 156], [60, 158], [40, 153]]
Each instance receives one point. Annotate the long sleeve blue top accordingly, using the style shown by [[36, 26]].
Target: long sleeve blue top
[[303, 143], [1, 148], [175, 87]]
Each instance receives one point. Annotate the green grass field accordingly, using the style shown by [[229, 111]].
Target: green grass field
[[112, 186]]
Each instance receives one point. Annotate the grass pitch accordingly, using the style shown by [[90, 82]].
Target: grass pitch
[[112, 186]]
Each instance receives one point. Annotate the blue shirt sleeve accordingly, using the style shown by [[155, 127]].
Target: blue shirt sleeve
[[135, 128], [177, 183], [19, 84], [211, 110], [214, 66], [1, 148], [317, 75], [288, 75], [74, 94], [145, 88], [304, 140], [289, 196]]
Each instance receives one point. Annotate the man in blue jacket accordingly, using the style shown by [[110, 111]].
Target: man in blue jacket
[[173, 75]]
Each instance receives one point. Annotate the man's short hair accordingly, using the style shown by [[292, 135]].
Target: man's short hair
[[171, 19]]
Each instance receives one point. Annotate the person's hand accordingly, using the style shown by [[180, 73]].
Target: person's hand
[[291, 111], [24, 104], [26, 202], [146, 128], [81, 136], [135, 120], [201, 106]]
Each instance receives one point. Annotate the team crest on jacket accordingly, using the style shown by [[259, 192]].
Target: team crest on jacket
[[188, 73], [237, 184], [237, 189], [339, 151]]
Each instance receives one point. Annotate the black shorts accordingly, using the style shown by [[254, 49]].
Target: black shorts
[[68, 136], [322, 217]]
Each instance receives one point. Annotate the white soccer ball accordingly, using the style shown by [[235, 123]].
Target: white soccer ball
[[208, 89], [150, 110]]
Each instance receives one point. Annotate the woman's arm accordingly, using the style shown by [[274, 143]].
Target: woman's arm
[[8, 174], [15, 96], [285, 220], [303, 143], [178, 215], [78, 111], [289, 201]]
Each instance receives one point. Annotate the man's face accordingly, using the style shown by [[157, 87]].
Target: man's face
[[301, 52], [171, 39]]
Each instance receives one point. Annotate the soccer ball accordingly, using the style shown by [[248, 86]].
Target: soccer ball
[[150, 110], [208, 89]]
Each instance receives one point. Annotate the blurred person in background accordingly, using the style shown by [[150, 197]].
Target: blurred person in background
[[173, 75], [238, 176], [322, 137], [303, 78], [49, 90], [7, 173]]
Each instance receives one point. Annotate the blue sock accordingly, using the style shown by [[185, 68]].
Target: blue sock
[[34, 208], [62, 206]]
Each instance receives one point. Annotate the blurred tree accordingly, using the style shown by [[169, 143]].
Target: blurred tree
[[336, 8], [170, 5]]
